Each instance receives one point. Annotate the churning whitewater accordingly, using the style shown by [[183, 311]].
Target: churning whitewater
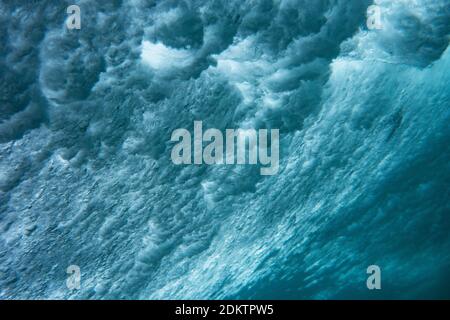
[[87, 182]]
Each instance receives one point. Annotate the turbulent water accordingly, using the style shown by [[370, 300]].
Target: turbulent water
[[86, 176]]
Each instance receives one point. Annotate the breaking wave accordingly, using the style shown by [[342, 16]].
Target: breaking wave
[[86, 177]]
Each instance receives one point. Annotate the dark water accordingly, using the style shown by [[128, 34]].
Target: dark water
[[86, 176]]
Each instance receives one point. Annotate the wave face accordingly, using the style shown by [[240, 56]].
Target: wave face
[[86, 177]]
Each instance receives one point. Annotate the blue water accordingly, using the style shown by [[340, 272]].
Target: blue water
[[86, 177]]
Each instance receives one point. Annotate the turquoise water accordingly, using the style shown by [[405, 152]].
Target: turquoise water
[[86, 176]]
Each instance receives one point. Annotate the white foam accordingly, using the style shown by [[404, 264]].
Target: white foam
[[160, 57]]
